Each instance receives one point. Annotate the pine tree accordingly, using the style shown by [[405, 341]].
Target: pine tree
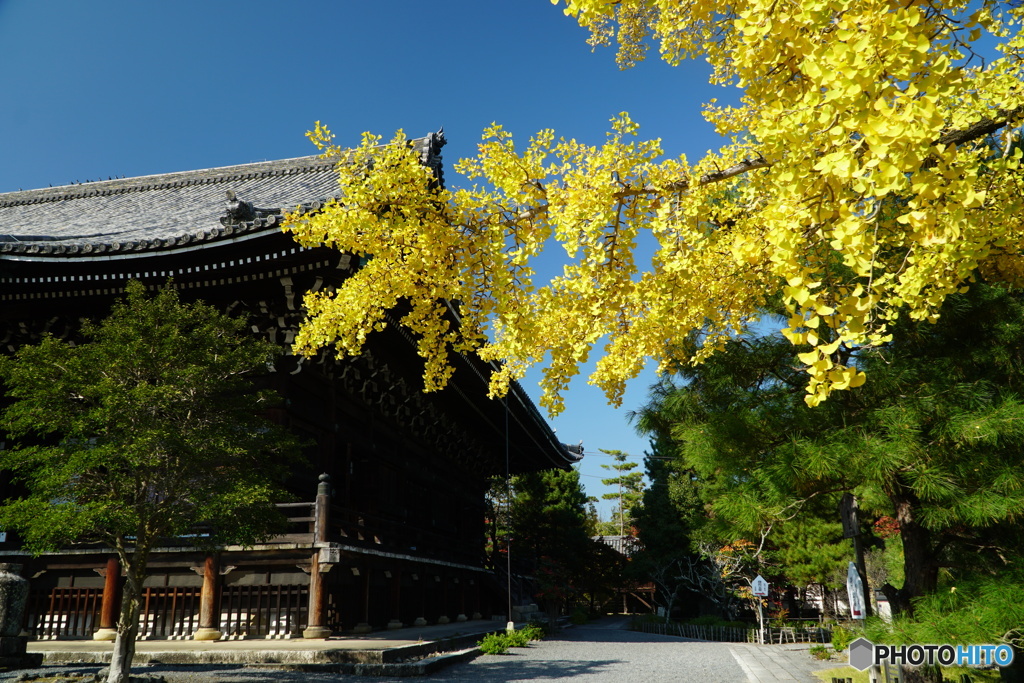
[[630, 488], [933, 443]]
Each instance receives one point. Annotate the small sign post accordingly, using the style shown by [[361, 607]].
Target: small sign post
[[759, 587], [851, 529]]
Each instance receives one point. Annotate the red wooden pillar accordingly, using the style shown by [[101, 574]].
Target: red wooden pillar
[[109, 607], [316, 629], [209, 601]]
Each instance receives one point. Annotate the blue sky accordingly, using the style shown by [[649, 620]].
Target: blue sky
[[125, 88]]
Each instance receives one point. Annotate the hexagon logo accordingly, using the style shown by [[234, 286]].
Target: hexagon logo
[[862, 654]]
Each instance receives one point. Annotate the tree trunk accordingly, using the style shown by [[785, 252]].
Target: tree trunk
[[553, 605], [668, 607], [920, 569], [127, 626]]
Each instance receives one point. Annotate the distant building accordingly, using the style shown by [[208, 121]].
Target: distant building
[[627, 545]]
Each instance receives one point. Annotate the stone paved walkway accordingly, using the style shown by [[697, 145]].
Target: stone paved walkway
[[600, 652]]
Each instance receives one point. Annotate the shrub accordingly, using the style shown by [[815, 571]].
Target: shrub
[[494, 644], [779, 619], [841, 638], [517, 638], [712, 620], [534, 631], [579, 617], [820, 652]]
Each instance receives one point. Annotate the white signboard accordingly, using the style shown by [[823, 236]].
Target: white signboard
[[855, 591], [759, 586]]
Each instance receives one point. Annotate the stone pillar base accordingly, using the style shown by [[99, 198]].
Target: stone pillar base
[[316, 633], [477, 615], [395, 624], [105, 634], [461, 617], [420, 621], [362, 627], [443, 619], [30, 660], [206, 633], [13, 646]]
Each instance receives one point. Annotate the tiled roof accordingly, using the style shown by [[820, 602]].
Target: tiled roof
[[161, 211], [627, 545]]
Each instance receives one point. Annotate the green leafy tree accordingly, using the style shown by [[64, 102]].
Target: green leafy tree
[[594, 522], [665, 522], [976, 610], [630, 488], [149, 430], [933, 443]]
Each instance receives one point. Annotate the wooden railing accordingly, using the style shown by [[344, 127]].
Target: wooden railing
[[172, 613], [169, 613], [361, 529], [352, 527], [263, 611], [63, 613], [300, 518], [731, 634]]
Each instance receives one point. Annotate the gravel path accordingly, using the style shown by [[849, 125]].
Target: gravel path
[[603, 652]]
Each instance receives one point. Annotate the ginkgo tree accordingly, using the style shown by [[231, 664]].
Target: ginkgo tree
[[873, 169]]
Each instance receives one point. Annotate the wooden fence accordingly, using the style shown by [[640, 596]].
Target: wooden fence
[[64, 613], [263, 611], [172, 613], [729, 634], [169, 613]]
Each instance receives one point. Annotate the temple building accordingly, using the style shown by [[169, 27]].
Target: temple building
[[391, 524]]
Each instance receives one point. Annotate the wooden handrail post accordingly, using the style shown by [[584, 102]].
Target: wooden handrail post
[[322, 509], [315, 628]]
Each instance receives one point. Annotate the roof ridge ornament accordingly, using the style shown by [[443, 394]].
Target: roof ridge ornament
[[238, 211]]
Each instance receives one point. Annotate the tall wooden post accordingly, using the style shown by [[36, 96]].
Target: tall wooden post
[[477, 607], [111, 601], [316, 628], [364, 598], [851, 529], [209, 601], [462, 598], [444, 580], [422, 580], [396, 599]]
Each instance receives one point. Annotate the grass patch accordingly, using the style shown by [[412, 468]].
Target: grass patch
[[950, 673], [843, 672], [820, 652]]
